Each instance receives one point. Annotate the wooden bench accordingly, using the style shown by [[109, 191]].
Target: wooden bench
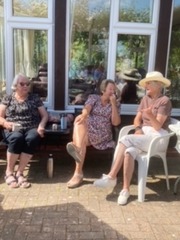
[[52, 138]]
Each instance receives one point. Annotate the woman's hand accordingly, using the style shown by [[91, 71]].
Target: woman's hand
[[138, 132], [80, 118], [113, 99], [148, 112], [8, 125], [41, 131]]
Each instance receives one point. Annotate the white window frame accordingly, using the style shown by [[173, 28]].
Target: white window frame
[[116, 27], [28, 23], [12, 18]]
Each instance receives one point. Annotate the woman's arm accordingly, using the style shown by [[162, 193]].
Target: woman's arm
[[85, 112], [3, 122], [156, 121], [44, 118], [115, 117], [138, 123]]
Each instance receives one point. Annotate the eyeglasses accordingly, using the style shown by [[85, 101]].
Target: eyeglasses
[[24, 84]]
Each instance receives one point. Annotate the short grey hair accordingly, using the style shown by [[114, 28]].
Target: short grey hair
[[104, 84], [158, 83], [16, 79]]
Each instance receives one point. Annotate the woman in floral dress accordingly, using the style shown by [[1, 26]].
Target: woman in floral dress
[[94, 127]]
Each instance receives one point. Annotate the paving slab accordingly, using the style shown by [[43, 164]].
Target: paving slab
[[50, 211]]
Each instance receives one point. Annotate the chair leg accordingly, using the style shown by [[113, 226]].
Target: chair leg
[[166, 172], [142, 177], [176, 185]]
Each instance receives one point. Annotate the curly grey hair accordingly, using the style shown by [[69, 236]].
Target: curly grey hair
[[16, 79]]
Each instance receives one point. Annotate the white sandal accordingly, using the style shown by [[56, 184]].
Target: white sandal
[[74, 152]]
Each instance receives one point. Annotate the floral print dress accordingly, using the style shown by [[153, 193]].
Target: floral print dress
[[99, 123]]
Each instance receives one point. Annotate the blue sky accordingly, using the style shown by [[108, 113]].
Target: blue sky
[[177, 2], [98, 4], [137, 4]]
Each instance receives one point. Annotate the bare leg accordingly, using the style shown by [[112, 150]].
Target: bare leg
[[118, 161], [9, 177], [23, 161], [11, 161], [80, 140], [80, 135], [128, 169]]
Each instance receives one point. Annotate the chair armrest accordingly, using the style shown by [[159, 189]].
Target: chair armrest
[[125, 130], [154, 147], [174, 121]]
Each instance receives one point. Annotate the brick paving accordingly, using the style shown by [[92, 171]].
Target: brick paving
[[50, 211]]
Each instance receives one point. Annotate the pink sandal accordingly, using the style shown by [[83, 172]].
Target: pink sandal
[[22, 181], [11, 181]]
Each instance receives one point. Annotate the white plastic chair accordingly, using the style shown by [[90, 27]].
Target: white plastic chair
[[144, 159], [175, 127]]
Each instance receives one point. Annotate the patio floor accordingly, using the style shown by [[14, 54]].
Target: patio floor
[[50, 211]]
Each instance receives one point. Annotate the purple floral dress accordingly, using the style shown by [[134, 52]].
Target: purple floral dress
[[99, 123]]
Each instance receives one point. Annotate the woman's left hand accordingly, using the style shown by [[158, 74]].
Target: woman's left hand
[[41, 131]]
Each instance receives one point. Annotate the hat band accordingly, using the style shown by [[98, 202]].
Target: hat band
[[130, 75]]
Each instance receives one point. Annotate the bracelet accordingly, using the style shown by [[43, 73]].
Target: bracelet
[[138, 128]]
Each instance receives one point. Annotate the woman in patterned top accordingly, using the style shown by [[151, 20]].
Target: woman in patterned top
[[94, 127], [26, 111]]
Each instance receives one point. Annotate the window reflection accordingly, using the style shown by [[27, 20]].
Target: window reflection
[[2, 55], [132, 53], [174, 57], [89, 32], [136, 11], [30, 8], [30, 57]]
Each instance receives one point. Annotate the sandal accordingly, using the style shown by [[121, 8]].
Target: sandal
[[11, 181], [22, 181], [74, 152], [75, 181]]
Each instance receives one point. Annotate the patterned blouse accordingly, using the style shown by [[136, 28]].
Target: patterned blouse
[[99, 123], [25, 113]]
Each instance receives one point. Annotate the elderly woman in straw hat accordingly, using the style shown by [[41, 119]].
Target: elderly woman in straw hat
[[152, 119]]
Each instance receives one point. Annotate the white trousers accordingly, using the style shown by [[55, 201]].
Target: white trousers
[[136, 143]]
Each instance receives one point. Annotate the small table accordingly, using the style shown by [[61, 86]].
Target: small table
[[176, 129], [51, 134]]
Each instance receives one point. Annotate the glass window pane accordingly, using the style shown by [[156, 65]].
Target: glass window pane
[[30, 57], [174, 57], [132, 52], [89, 32], [30, 8], [2, 52], [136, 11]]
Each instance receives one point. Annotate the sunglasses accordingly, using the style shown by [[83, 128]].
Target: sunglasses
[[24, 84]]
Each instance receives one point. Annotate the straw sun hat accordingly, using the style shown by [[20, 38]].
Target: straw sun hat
[[155, 76]]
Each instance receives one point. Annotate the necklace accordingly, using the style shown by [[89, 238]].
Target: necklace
[[20, 98]]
